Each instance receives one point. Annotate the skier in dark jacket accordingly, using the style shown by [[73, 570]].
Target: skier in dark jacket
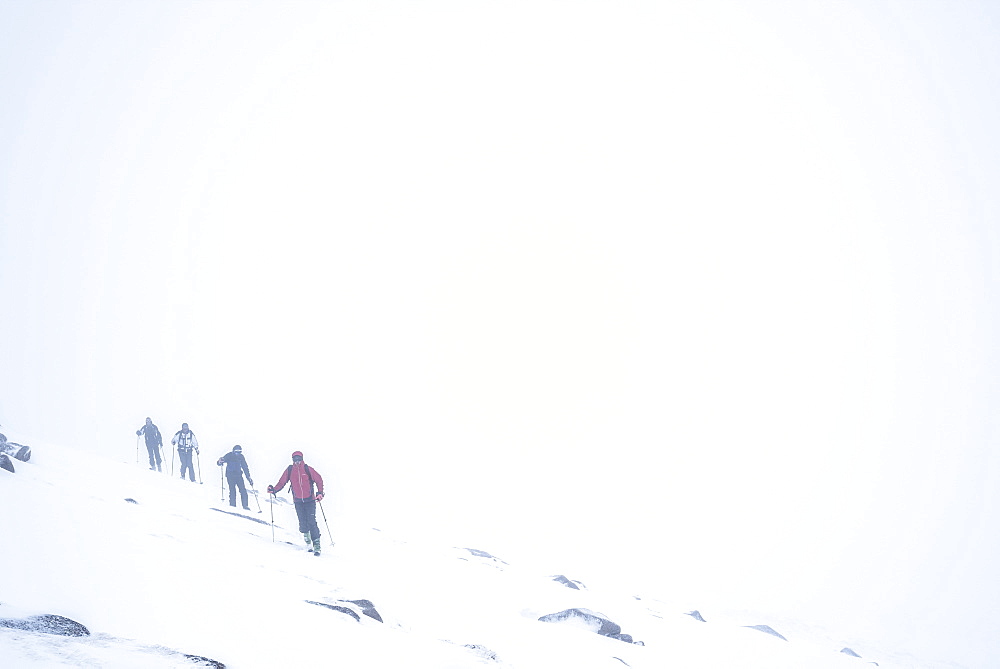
[[185, 441], [154, 442], [302, 478], [236, 465]]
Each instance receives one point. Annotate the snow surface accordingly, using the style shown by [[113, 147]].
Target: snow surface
[[166, 576]]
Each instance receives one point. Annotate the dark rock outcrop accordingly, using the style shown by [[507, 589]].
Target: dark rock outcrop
[[15, 450], [482, 651], [5, 463], [342, 609], [20, 451], [595, 622], [766, 629], [47, 624], [848, 651], [575, 585], [696, 614], [208, 662], [482, 554], [62, 626], [479, 553], [367, 608]]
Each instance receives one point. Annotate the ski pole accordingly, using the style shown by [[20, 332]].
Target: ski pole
[[198, 461], [222, 486], [329, 535], [256, 497], [272, 517]]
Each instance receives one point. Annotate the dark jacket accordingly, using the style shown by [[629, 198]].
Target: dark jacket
[[236, 464], [152, 433]]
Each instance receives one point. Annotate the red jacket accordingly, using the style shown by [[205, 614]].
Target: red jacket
[[298, 473]]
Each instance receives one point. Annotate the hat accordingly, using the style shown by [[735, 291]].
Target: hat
[[237, 449], [297, 454]]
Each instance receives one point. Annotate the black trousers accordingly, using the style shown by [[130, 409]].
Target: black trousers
[[186, 463], [154, 455], [305, 509], [236, 481]]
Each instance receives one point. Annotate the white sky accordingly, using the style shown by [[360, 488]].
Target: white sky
[[590, 276]]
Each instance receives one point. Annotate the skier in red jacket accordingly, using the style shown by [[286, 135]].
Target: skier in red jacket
[[302, 478]]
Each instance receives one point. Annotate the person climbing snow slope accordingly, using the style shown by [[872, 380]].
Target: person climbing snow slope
[[236, 466], [302, 478]]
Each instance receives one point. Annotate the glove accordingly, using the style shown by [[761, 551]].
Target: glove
[[250, 480], [138, 432], [198, 451], [319, 497], [270, 489], [220, 462]]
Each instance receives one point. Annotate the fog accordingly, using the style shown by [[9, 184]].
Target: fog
[[708, 285]]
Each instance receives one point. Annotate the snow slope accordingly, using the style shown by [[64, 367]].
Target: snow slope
[[167, 576]]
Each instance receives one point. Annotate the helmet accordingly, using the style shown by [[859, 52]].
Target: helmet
[[296, 456], [237, 449]]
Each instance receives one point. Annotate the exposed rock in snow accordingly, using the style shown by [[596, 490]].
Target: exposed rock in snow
[[48, 624], [367, 608], [848, 651], [483, 554], [575, 585], [342, 609], [15, 450], [767, 629], [695, 614], [585, 618], [205, 661], [480, 651], [589, 620]]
